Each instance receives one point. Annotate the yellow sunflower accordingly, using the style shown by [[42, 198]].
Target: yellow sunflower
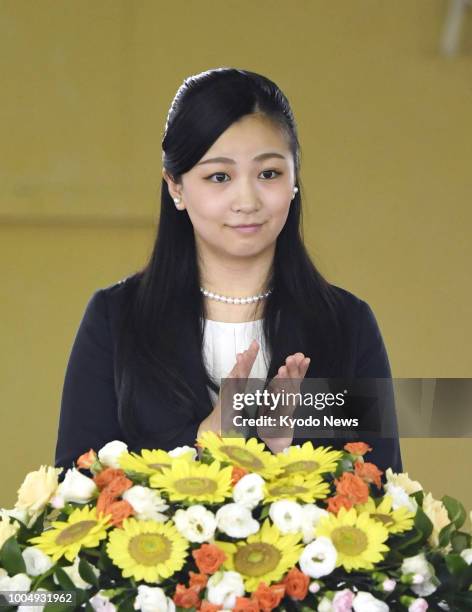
[[247, 454], [194, 482], [149, 461], [358, 539], [265, 556], [147, 550], [396, 521], [296, 487], [82, 528], [308, 460]]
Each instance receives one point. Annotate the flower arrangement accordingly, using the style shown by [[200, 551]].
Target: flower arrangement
[[234, 527]]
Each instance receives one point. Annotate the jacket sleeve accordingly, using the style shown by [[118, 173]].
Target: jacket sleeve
[[372, 362], [88, 416]]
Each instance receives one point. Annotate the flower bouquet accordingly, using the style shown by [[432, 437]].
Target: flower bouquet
[[232, 528]]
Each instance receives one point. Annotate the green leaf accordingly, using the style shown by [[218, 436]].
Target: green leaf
[[455, 564], [460, 541], [86, 572], [64, 580], [423, 523], [445, 534], [11, 558], [264, 512], [455, 510]]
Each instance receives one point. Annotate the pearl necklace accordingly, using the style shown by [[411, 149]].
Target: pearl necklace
[[230, 300]]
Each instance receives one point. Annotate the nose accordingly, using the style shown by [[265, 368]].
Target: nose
[[246, 200]]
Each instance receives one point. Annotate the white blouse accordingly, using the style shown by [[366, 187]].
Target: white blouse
[[222, 341]]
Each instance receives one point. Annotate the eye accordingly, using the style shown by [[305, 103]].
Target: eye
[[208, 178]]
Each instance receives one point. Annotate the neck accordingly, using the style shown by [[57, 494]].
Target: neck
[[235, 277]]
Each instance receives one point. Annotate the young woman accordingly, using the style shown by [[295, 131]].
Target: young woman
[[229, 289]]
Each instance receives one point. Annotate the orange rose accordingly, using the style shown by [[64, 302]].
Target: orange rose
[[186, 598], [296, 583], [352, 487], [357, 448], [209, 607], [198, 580], [246, 605], [86, 460], [208, 558], [119, 510], [237, 474], [369, 473], [103, 478], [104, 501], [267, 597], [337, 502], [119, 485]]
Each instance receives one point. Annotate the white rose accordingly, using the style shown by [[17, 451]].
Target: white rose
[[236, 521], [17, 514], [287, 515], [311, 516], [100, 603], [196, 524], [7, 529], [224, 587], [76, 487], [426, 581], [365, 602], [37, 489], [400, 497], [147, 503], [466, 554], [108, 455], [182, 450], [402, 480], [19, 582], [318, 558], [36, 561], [437, 514], [249, 490], [73, 572], [153, 599]]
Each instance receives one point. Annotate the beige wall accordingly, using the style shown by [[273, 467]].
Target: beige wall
[[386, 131]]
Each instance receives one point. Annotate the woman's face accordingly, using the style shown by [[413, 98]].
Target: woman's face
[[252, 186]]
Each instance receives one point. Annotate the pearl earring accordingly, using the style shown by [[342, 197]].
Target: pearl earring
[[177, 203], [295, 191]]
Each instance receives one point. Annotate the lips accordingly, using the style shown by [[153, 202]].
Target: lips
[[246, 229], [247, 225]]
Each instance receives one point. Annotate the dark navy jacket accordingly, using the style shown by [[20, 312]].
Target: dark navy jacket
[[89, 417]]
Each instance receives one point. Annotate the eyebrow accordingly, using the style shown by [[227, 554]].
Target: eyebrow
[[228, 160]]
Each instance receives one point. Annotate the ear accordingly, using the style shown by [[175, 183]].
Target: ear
[[175, 189]]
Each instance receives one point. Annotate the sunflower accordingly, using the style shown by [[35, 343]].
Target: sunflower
[[296, 487], [358, 539], [307, 460], [149, 461], [265, 556], [82, 528], [396, 521], [194, 482], [247, 454], [147, 550]]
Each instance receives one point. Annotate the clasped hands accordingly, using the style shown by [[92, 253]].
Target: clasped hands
[[287, 379]]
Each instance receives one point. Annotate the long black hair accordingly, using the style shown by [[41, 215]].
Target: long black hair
[[164, 320]]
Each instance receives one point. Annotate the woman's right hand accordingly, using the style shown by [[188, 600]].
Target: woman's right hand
[[241, 370]]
